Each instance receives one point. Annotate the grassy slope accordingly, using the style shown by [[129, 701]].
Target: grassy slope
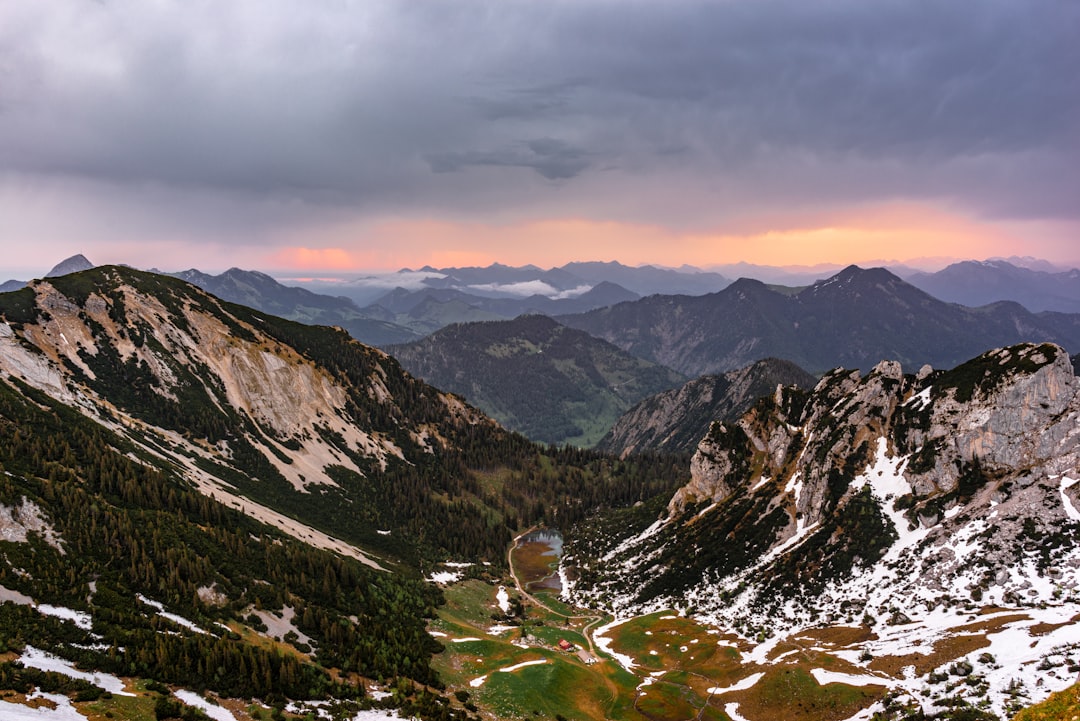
[[1061, 706]]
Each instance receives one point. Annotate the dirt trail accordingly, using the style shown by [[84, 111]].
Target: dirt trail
[[592, 620]]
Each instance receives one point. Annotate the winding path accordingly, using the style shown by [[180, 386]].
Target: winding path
[[586, 630]]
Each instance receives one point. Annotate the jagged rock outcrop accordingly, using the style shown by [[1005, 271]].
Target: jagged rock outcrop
[[869, 493], [675, 421]]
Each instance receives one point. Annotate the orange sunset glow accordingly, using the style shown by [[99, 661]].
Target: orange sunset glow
[[898, 232]]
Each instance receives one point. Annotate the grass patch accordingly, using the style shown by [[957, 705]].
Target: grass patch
[[119, 708], [669, 701], [792, 694], [660, 642], [556, 688], [559, 608], [469, 606], [1061, 705]]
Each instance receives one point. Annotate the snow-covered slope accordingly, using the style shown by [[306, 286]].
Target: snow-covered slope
[[903, 503]]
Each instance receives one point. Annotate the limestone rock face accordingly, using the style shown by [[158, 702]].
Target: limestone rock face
[[1013, 408], [713, 470], [675, 421], [1026, 418], [881, 491]]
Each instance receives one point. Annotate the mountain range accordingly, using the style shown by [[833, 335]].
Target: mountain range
[[175, 465], [977, 283], [503, 281], [427, 310], [852, 319], [260, 291], [202, 503]]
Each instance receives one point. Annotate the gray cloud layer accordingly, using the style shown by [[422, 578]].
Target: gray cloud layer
[[634, 111]]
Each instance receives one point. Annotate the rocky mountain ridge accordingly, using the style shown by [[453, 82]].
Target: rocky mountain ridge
[[889, 500], [299, 426], [675, 421]]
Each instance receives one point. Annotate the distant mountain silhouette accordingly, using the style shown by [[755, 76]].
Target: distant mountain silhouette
[[429, 309], [853, 319], [260, 291], [74, 264], [976, 283]]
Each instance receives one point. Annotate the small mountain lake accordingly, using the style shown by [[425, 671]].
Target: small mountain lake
[[536, 560]]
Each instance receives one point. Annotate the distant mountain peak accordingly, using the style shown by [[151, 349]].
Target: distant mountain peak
[[855, 276], [74, 264], [746, 284]]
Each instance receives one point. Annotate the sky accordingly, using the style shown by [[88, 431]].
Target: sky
[[336, 135]]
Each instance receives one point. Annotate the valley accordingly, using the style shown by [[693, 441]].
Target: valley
[[205, 506]]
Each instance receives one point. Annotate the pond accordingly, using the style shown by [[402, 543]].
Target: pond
[[536, 559]]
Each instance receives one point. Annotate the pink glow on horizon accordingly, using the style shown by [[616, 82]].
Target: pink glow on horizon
[[924, 236], [298, 258], [921, 236]]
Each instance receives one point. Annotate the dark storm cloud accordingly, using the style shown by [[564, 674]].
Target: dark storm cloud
[[470, 105], [551, 158]]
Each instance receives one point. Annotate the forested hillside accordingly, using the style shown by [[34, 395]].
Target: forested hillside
[[96, 528], [553, 384], [301, 420]]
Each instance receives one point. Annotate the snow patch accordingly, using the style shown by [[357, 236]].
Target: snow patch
[[604, 644], [36, 658], [920, 400], [178, 620], [444, 578], [523, 664], [80, 618], [375, 715], [1070, 510], [823, 677], [504, 600], [732, 710], [742, 685], [64, 711], [212, 710]]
